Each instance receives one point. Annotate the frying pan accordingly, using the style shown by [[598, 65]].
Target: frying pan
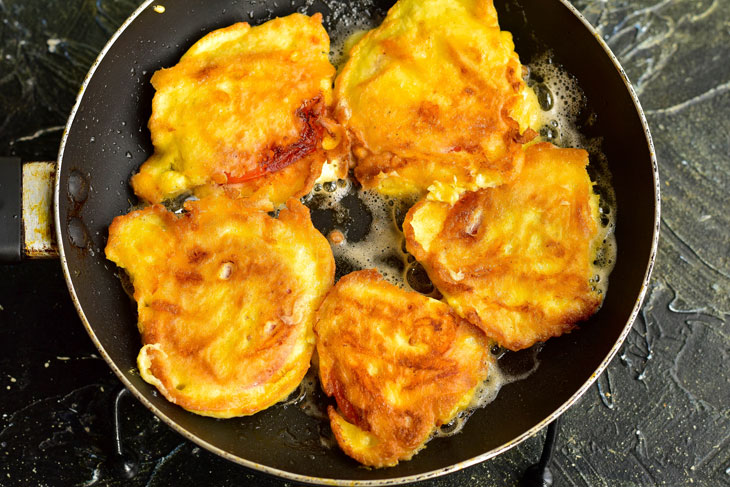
[[106, 140]]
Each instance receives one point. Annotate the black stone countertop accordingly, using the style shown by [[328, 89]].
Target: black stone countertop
[[659, 415]]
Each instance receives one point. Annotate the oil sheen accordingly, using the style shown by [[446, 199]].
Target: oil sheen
[[371, 225], [563, 104]]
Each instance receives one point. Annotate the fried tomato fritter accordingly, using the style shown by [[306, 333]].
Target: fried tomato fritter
[[245, 110], [226, 297], [398, 364], [516, 260], [434, 97]]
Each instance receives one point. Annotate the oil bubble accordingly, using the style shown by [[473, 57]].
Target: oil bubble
[[77, 233], [78, 187], [418, 279], [544, 97]]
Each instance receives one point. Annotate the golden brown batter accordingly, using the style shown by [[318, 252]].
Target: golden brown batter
[[226, 296], [398, 364], [245, 110], [516, 260], [434, 97]]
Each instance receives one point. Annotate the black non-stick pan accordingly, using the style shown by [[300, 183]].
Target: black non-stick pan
[[106, 140]]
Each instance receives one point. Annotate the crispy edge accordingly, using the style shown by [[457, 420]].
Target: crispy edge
[[306, 168], [449, 287], [345, 430], [152, 371]]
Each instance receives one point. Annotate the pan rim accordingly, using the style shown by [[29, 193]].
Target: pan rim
[[354, 482]]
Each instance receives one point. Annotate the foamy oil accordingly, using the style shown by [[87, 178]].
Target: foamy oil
[[563, 102], [361, 228], [369, 229], [365, 228]]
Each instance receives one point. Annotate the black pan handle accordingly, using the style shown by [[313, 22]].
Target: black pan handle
[[26, 210], [10, 210]]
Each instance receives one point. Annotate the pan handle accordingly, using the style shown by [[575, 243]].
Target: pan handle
[[26, 210]]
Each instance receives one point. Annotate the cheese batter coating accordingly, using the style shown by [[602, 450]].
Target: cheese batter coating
[[516, 260], [398, 364], [245, 110], [226, 296], [434, 98]]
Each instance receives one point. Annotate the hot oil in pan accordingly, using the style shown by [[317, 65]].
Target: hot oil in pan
[[507, 367], [365, 228], [365, 231], [565, 121], [361, 229], [345, 21]]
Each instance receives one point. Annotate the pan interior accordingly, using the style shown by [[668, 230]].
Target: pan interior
[[107, 141]]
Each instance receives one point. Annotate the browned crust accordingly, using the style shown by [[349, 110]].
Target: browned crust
[[181, 288], [428, 142], [468, 264], [360, 364], [260, 139]]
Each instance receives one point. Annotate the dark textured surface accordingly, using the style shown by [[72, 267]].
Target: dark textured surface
[[660, 415], [107, 142]]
